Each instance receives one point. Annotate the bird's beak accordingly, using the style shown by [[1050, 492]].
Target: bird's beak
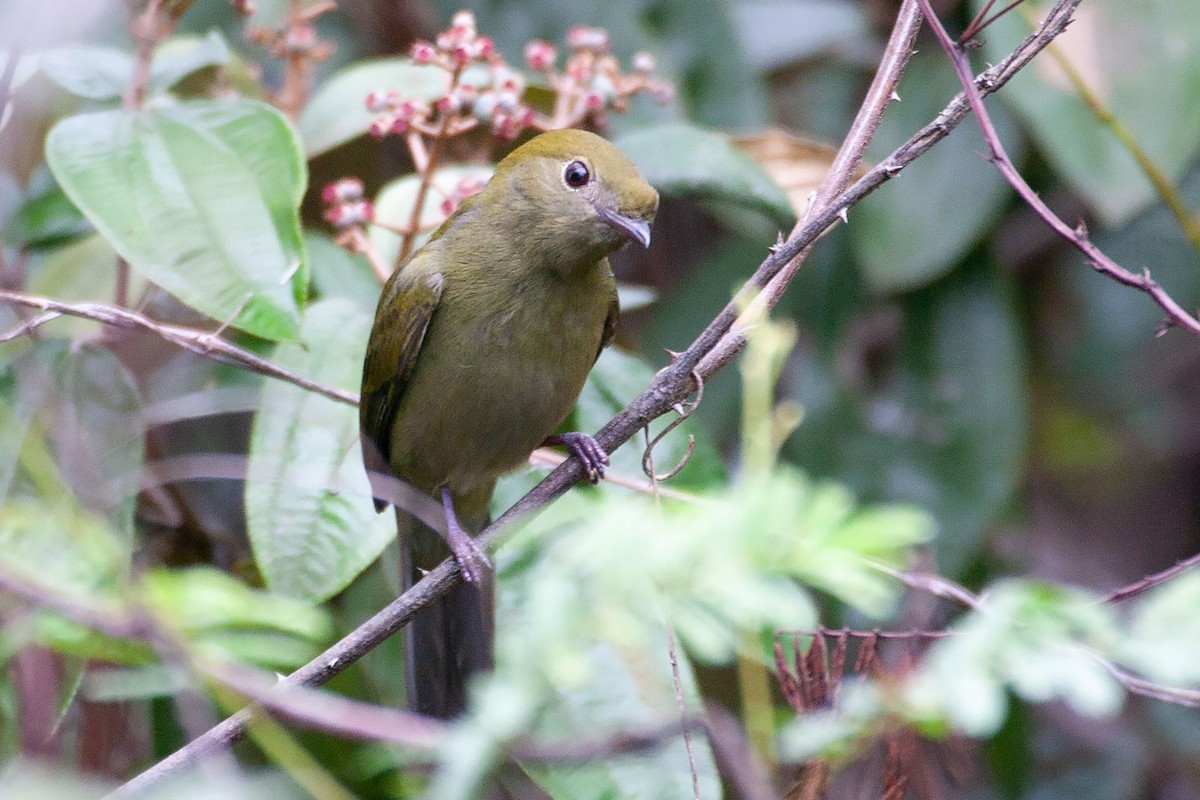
[[636, 229]]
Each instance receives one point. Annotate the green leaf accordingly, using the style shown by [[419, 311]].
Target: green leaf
[[45, 217], [1164, 633], [91, 411], [103, 73], [394, 205], [61, 546], [1034, 639], [312, 524], [180, 56], [201, 198], [686, 160], [627, 688], [337, 111], [916, 228], [267, 145], [217, 611], [338, 273], [1149, 83], [97, 73]]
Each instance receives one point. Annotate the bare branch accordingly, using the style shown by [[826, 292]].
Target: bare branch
[[1076, 236], [202, 342], [1150, 581]]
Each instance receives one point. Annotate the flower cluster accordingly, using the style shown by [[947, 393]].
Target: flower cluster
[[297, 39], [592, 79], [345, 205], [492, 92]]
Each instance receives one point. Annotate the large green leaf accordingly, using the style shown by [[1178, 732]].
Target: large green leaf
[[1142, 60], [683, 159], [201, 198], [308, 505], [337, 111], [103, 73], [918, 227], [97, 73]]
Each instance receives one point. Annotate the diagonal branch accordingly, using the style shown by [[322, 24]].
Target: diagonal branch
[[672, 385], [206, 344], [1076, 236]]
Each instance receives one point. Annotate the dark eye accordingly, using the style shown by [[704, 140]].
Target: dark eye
[[576, 174]]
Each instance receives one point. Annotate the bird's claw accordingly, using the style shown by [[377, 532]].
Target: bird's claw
[[587, 449], [472, 561]]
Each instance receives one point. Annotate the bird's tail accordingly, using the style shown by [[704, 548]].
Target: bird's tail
[[450, 639]]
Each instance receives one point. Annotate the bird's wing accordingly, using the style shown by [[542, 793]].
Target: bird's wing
[[610, 322], [400, 326]]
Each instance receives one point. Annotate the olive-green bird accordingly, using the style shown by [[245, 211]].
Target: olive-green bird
[[481, 344]]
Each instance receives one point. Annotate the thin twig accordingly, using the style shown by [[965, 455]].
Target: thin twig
[[149, 28], [1150, 581], [1077, 236], [1167, 192], [197, 341], [672, 385]]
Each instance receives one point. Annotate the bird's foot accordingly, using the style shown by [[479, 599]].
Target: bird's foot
[[472, 561], [586, 448]]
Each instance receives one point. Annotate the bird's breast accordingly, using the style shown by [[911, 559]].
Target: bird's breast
[[501, 366]]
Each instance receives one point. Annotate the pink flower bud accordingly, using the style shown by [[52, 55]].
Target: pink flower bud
[[644, 63], [399, 125], [461, 53], [594, 101], [423, 52], [342, 190], [378, 102], [540, 55], [485, 47], [463, 21], [381, 126], [300, 38], [507, 100], [447, 206], [582, 37]]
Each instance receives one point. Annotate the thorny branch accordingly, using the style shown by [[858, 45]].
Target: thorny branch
[[672, 385], [1076, 236]]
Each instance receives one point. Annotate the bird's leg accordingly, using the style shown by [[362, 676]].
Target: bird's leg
[[471, 559], [586, 448]]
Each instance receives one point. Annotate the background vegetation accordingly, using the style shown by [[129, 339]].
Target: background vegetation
[[916, 547]]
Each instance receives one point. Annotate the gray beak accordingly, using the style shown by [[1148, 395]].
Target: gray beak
[[636, 229]]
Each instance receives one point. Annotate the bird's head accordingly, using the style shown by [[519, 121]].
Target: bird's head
[[574, 196]]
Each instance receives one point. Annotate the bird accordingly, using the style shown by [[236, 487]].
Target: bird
[[481, 344]]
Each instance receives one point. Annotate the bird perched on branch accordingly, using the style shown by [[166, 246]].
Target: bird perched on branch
[[481, 344]]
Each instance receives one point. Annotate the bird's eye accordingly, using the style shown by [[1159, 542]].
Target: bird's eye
[[576, 175]]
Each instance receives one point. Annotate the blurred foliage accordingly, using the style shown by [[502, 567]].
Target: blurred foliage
[[946, 387]]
